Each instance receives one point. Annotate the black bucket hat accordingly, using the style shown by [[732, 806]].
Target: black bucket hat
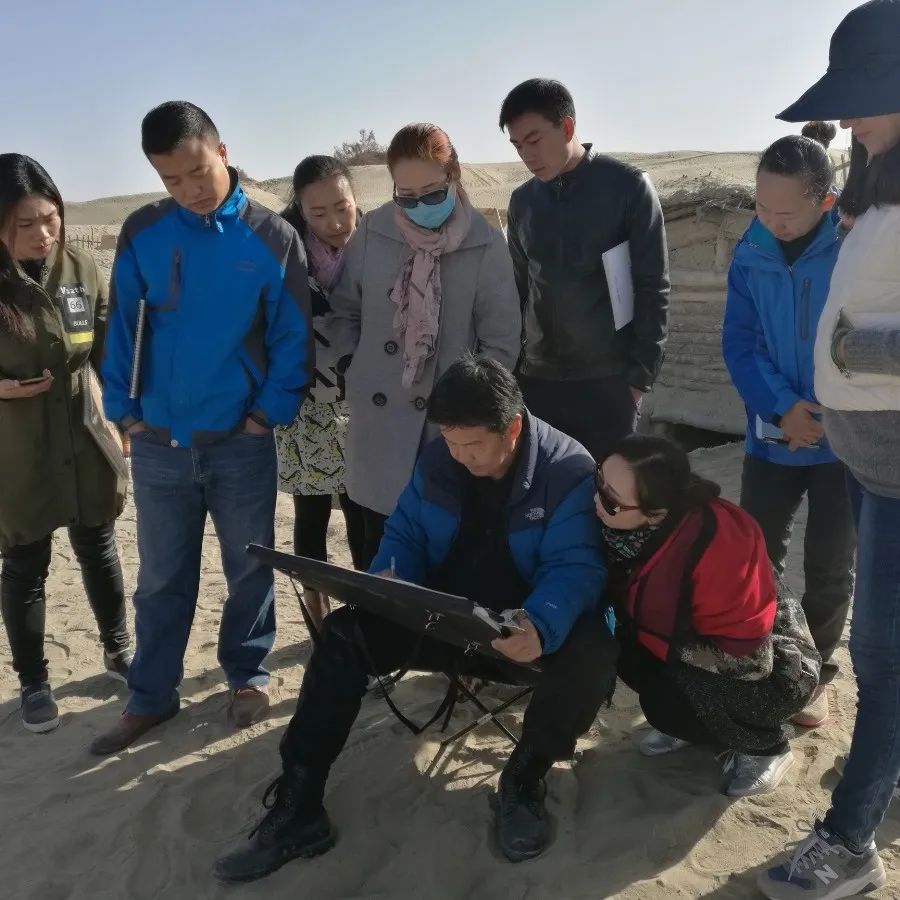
[[863, 77]]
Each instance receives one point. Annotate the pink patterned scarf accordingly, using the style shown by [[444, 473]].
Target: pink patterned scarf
[[417, 291], [325, 262]]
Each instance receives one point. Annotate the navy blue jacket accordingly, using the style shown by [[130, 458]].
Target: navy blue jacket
[[769, 331], [228, 320], [554, 533]]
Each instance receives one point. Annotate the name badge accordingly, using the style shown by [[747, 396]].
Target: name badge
[[77, 313]]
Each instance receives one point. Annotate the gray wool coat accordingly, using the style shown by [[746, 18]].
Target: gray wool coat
[[480, 311]]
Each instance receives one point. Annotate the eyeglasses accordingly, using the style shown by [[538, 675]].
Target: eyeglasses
[[611, 507], [432, 198]]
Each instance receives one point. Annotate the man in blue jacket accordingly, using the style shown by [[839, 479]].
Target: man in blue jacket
[[208, 347], [500, 510], [777, 287]]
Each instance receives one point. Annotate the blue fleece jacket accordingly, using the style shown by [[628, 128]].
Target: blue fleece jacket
[[554, 533], [228, 320], [769, 332]]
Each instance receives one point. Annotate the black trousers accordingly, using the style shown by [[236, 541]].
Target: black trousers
[[569, 689], [368, 536], [312, 513], [772, 493], [597, 413], [664, 705], [24, 604]]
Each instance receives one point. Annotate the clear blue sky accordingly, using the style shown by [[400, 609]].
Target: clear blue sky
[[284, 78]]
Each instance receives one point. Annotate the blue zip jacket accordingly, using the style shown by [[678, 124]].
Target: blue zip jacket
[[228, 320], [769, 331], [554, 533]]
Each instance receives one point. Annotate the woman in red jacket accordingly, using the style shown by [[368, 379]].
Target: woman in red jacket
[[718, 653]]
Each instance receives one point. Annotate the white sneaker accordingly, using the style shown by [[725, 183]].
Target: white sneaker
[[744, 775], [658, 744]]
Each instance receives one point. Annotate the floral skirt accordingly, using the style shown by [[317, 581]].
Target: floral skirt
[[311, 450]]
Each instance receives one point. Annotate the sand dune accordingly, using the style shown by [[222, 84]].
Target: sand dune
[[488, 184], [147, 825], [115, 210]]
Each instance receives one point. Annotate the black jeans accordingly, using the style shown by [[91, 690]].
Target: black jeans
[[664, 705], [569, 689], [24, 603], [312, 514], [597, 413], [772, 493]]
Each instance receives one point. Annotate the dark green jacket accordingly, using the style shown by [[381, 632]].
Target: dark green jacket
[[53, 474]]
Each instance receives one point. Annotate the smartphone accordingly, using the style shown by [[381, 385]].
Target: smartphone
[[772, 434], [24, 382]]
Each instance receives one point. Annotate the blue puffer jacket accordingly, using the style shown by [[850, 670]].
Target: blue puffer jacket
[[227, 328], [554, 533], [769, 330]]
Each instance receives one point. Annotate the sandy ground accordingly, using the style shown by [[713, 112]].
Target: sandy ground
[[148, 824]]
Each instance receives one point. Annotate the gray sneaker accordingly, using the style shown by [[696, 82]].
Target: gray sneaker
[[744, 775], [822, 868], [381, 686], [39, 710], [117, 666], [658, 743]]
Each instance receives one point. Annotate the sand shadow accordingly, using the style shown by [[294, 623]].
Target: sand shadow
[[193, 791]]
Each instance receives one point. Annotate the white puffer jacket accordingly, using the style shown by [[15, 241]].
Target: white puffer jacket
[[865, 288]]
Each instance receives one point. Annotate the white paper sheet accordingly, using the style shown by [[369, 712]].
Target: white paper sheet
[[617, 265]]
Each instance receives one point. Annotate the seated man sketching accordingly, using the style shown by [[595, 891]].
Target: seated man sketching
[[500, 510]]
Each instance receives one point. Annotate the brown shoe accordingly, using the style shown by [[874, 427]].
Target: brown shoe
[[127, 730], [249, 705]]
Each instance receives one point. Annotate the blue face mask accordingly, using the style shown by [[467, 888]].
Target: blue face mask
[[432, 216]]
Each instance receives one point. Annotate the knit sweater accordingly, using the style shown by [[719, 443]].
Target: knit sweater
[[867, 441]]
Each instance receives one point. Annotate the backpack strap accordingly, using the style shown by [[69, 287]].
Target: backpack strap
[[683, 621], [446, 705]]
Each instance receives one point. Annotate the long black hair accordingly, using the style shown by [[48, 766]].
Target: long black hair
[[663, 476], [874, 182], [309, 171], [20, 177], [800, 157]]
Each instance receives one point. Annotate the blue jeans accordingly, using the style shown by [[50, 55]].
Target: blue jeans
[[174, 488], [866, 789]]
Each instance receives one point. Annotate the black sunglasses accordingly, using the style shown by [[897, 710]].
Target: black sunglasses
[[432, 198], [610, 506]]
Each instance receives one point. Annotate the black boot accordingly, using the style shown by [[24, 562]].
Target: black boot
[[523, 828], [296, 825]]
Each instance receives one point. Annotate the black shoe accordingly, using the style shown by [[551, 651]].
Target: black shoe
[[117, 665], [39, 710], [296, 826], [523, 827]]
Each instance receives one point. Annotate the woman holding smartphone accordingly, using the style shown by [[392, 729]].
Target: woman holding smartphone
[[53, 304]]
